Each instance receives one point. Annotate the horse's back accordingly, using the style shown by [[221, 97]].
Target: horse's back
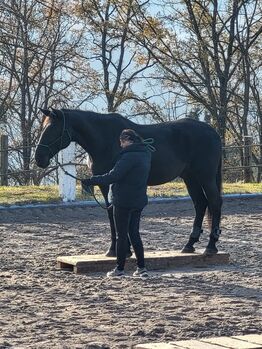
[[183, 146], [185, 136], [204, 149], [199, 136]]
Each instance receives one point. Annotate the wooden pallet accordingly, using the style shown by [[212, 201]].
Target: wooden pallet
[[157, 260], [250, 341]]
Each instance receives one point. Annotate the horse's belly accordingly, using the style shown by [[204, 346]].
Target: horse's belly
[[164, 174], [159, 181]]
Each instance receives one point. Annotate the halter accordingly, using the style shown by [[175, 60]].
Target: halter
[[60, 139]]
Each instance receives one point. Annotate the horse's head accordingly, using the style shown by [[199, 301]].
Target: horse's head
[[54, 137]]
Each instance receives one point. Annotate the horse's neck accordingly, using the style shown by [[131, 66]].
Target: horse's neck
[[84, 132], [95, 133]]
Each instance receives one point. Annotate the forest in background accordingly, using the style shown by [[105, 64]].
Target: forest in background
[[151, 61]]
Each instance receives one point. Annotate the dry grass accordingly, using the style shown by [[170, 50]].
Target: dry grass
[[48, 194]]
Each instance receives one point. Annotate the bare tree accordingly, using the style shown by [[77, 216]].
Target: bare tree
[[119, 65], [245, 97], [256, 112], [42, 65], [197, 45]]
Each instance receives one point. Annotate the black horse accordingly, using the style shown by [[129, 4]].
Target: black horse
[[186, 148]]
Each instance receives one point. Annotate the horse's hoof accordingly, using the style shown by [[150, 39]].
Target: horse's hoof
[[128, 254], [111, 253], [210, 251], [188, 249]]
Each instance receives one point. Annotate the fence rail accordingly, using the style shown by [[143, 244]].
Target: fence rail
[[238, 163]]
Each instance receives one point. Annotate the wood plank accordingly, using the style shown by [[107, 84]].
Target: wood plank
[[196, 344], [251, 338], [231, 343], [251, 341], [156, 346], [156, 260]]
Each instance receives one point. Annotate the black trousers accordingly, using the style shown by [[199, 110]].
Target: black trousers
[[127, 224]]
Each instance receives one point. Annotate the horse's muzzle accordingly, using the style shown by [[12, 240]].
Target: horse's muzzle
[[42, 164], [42, 160]]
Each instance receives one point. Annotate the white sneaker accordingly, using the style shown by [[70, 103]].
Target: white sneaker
[[141, 272], [115, 273]]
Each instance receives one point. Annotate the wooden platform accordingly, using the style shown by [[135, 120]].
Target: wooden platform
[[250, 341], [158, 260]]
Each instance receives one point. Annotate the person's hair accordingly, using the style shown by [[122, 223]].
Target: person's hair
[[130, 135]]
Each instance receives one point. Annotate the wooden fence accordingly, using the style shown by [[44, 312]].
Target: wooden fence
[[240, 163]]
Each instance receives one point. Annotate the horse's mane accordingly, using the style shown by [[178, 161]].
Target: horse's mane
[[93, 114], [101, 116]]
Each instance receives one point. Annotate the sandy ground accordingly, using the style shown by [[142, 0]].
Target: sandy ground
[[42, 307]]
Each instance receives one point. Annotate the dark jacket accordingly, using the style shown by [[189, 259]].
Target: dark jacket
[[128, 177]]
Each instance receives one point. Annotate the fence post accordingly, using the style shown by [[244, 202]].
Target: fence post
[[3, 159], [67, 184], [248, 174]]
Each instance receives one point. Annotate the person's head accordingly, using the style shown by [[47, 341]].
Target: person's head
[[128, 137]]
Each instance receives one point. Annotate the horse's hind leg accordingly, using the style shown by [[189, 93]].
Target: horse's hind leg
[[214, 199], [200, 204]]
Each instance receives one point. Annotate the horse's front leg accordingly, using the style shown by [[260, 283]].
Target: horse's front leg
[[111, 252]]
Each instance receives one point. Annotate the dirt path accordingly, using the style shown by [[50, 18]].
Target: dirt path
[[42, 307]]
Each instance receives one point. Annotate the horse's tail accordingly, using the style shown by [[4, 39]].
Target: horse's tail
[[219, 188], [219, 177]]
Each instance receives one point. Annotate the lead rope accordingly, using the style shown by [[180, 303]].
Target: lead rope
[[148, 142], [69, 174], [80, 179]]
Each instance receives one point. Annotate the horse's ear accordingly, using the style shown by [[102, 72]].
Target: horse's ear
[[46, 112], [50, 113], [56, 112]]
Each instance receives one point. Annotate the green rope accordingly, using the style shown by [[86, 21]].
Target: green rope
[[148, 142]]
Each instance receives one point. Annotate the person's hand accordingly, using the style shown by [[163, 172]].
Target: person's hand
[[86, 184]]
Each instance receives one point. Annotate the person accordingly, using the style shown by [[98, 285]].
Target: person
[[129, 196]]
